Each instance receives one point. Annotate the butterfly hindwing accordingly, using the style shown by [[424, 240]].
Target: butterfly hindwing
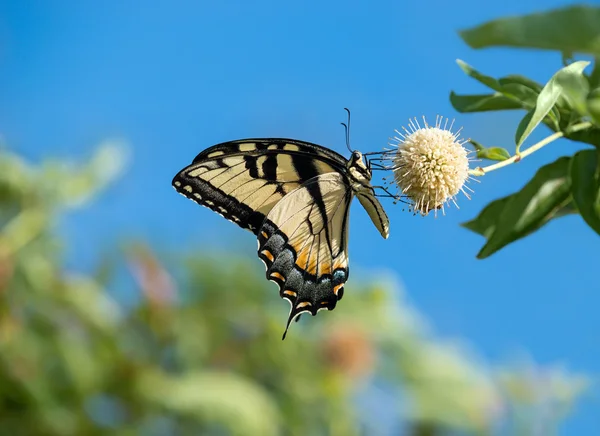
[[303, 243], [243, 180]]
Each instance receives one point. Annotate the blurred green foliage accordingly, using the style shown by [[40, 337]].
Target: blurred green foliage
[[202, 355]]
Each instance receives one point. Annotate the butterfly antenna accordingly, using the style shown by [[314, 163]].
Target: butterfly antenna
[[348, 130]]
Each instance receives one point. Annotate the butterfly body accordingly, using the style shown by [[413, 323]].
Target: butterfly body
[[295, 197]]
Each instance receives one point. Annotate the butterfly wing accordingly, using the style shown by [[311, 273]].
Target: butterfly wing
[[242, 180], [303, 243]]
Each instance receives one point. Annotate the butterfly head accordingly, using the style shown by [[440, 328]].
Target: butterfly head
[[357, 168]]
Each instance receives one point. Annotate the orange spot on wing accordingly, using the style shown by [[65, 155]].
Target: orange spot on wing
[[337, 288], [276, 275], [302, 259], [311, 268], [267, 254], [309, 264], [290, 293], [263, 234]]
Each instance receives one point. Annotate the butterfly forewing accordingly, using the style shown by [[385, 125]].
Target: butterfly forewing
[[243, 180]]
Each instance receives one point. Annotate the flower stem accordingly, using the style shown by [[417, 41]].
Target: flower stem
[[517, 157]]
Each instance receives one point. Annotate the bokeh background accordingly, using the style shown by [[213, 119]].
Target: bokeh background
[[127, 309]]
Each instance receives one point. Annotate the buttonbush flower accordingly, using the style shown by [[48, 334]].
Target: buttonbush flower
[[430, 165]]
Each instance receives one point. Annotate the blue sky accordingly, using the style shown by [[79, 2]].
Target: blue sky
[[175, 77]]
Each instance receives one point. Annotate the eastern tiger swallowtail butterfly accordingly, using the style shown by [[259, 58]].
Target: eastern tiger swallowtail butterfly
[[295, 197]]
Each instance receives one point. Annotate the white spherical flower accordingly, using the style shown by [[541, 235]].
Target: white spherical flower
[[430, 165]]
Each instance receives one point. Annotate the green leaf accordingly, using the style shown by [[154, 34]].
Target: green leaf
[[476, 145], [485, 223], [585, 186], [515, 93], [547, 99], [491, 153], [488, 81], [482, 102], [525, 127], [593, 105], [567, 209], [521, 80], [590, 136], [519, 92], [594, 77], [527, 91], [513, 217], [574, 88], [575, 29], [494, 153]]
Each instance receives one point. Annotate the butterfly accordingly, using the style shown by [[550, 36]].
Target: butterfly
[[295, 197]]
